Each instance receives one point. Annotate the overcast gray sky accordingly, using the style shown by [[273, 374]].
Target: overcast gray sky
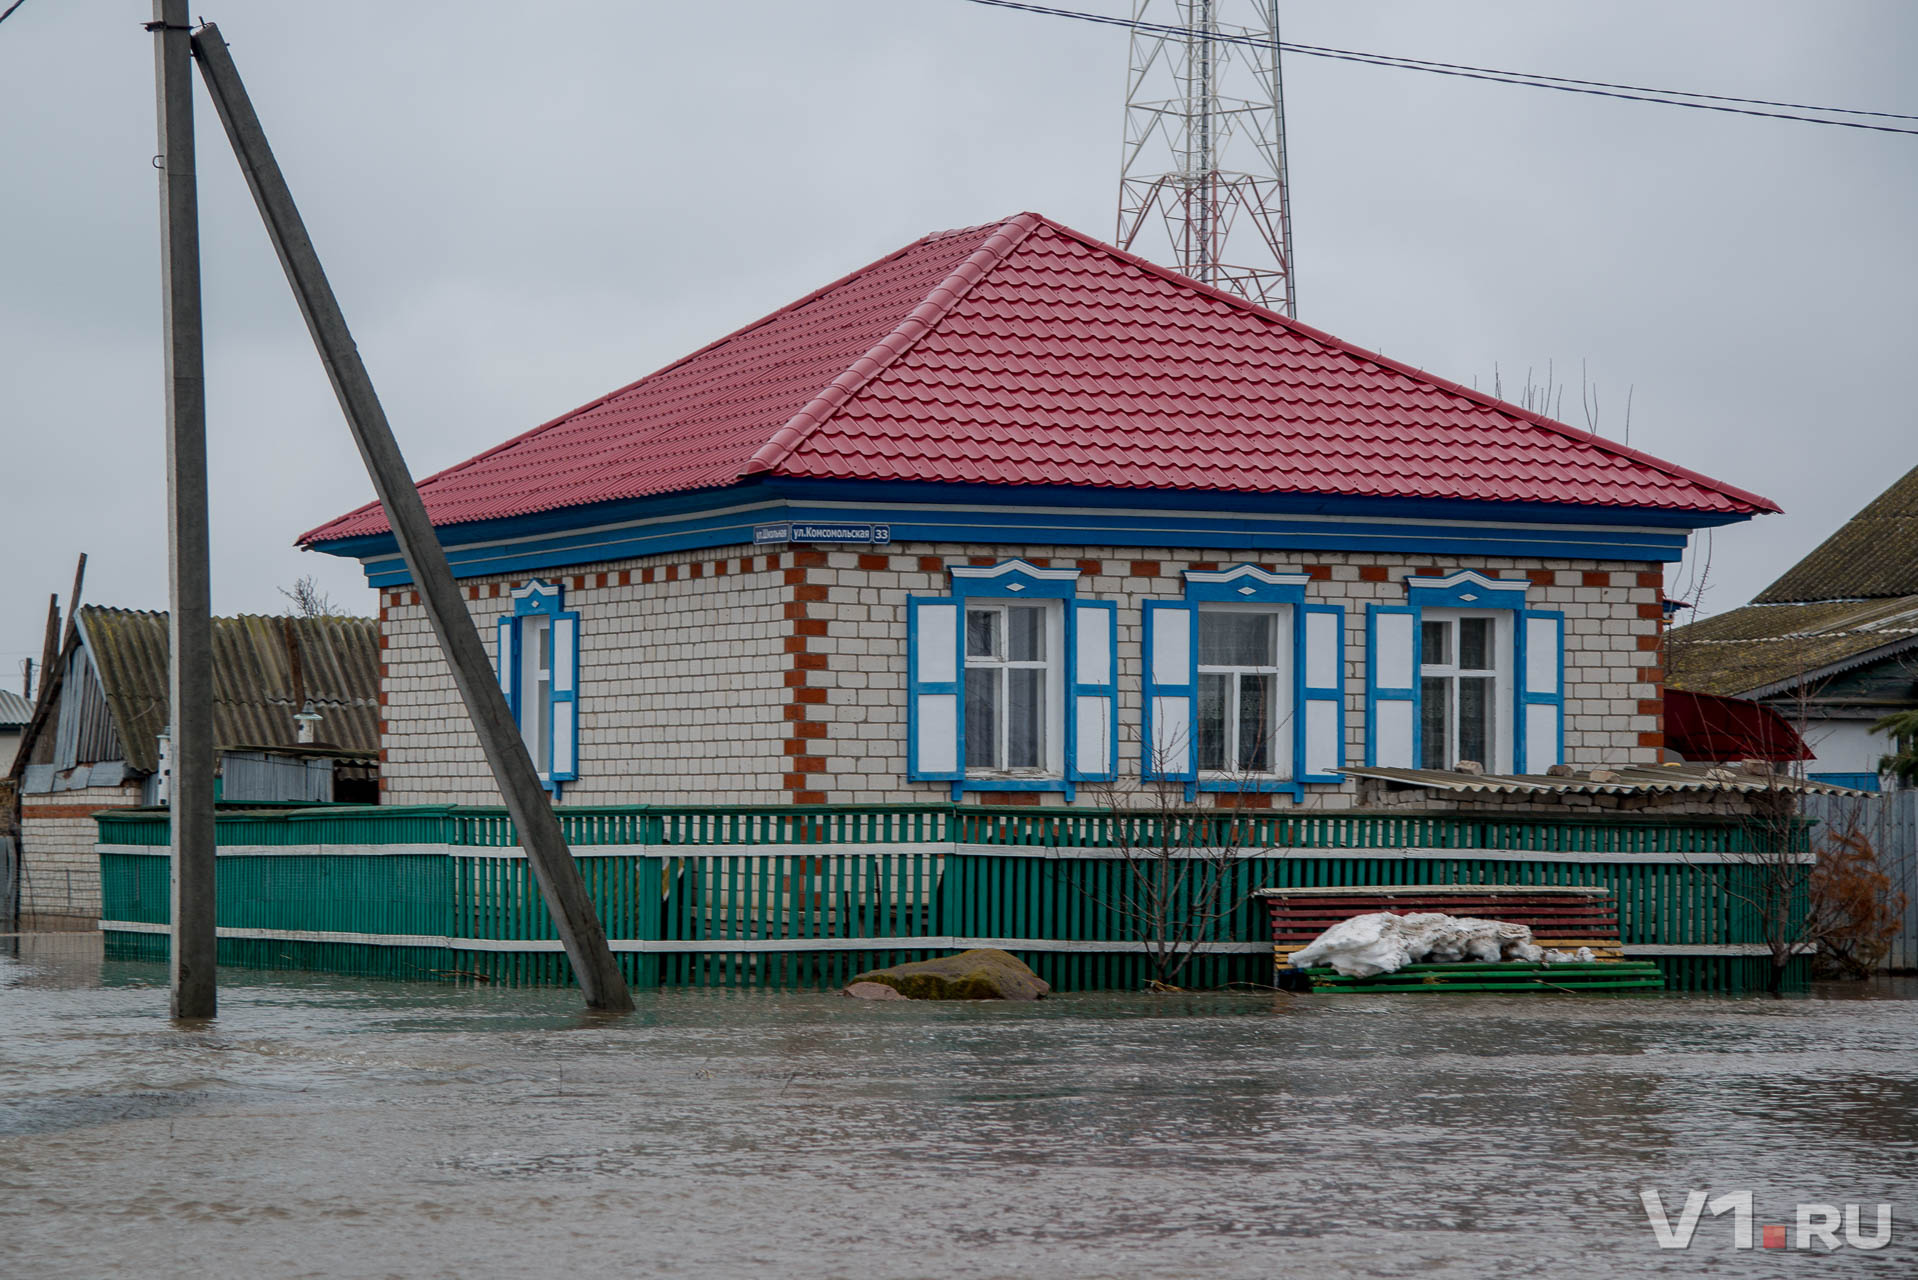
[[522, 208]]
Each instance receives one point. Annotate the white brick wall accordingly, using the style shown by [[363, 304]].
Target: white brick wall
[[686, 690], [60, 865], [681, 687]]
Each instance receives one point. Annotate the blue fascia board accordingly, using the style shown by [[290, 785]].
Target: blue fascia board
[[1036, 517], [1252, 503]]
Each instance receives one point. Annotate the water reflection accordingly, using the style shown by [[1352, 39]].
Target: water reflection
[[327, 1127]]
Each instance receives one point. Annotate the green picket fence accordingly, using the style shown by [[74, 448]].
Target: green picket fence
[[784, 896]]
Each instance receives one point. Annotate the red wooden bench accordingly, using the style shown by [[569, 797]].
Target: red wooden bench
[[1564, 917]]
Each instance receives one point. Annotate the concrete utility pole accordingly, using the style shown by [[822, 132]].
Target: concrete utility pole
[[189, 616], [539, 832]]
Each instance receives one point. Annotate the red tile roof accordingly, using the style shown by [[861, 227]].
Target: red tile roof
[[1027, 353]]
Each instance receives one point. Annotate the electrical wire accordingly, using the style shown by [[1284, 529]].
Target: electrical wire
[[10, 8], [1564, 84]]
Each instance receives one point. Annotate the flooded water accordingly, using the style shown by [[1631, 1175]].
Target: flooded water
[[346, 1129]]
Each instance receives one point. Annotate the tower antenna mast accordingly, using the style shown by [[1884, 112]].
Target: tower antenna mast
[[1204, 159]]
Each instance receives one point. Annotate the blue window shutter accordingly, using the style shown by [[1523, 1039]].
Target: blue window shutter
[[1392, 686], [1167, 745], [507, 660], [1093, 717], [1318, 670], [565, 704], [1540, 739], [935, 711]]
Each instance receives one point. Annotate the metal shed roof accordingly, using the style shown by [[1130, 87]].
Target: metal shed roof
[[263, 669]]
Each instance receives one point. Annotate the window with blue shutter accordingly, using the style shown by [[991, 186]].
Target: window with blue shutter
[[1003, 675], [537, 657], [1464, 671], [1243, 686]]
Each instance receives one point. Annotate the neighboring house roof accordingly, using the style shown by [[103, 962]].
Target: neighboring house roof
[[1026, 353], [1761, 648], [1874, 555], [263, 670], [15, 710], [1625, 780], [1852, 602], [1708, 727]]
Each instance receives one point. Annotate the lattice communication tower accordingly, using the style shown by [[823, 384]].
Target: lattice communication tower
[[1204, 158]]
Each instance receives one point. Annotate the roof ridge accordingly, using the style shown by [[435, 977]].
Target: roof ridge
[[796, 304], [1413, 371], [918, 322]]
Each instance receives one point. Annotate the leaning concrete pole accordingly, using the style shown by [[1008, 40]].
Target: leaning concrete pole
[[539, 832], [189, 621]]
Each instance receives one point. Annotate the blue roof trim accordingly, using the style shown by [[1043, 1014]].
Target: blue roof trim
[[1037, 517]]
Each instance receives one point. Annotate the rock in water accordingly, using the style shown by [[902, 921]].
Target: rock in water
[[986, 974], [872, 991]]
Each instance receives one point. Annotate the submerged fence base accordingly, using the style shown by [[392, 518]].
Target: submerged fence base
[[806, 898]]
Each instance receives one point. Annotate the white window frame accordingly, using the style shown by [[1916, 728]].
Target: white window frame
[[536, 685], [1280, 716], [1502, 721], [1052, 726]]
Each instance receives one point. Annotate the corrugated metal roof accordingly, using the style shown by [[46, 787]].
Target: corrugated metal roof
[[1028, 353], [254, 686], [14, 709], [1675, 779], [1873, 556], [1763, 645]]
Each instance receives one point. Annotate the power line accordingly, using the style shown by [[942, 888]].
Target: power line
[[10, 8], [1562, 84]]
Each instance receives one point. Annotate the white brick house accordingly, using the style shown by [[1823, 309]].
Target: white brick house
[[1012, 515]]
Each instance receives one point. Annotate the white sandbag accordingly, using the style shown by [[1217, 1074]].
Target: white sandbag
[[1381, 942]]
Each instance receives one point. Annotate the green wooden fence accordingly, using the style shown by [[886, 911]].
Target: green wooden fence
[[796, 896]]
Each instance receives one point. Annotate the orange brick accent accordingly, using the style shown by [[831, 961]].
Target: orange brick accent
[[1430, 571], [70, 810], [794, 576], [1651, 706], [869, 561], [1242, 800], [1595, 578], [1204, 566], [1089, 566], [1541, 577], [1374, 573], [981, 560], [809, 797], [1649, 643], [646, 575], [809, 592], [1317, 572], [1651, 740], [1145, 568], [931, 564], [1654, 612], [1010, 797]]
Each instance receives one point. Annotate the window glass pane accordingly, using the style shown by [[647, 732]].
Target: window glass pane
[[545, 645], [1475, 644], [1025, 717], [1255, 723], [1435, 721], [1435, 643], [1027, 639], [1211, 724], [982, 633], [1475, 703], [1233, 639], [982, 716]]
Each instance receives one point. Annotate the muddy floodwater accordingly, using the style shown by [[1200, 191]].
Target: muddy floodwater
[[338, 1128]]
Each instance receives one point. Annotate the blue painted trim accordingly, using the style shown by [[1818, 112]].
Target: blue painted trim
[[915, 687], [1305, 693], [571, 695], [1107, 689], [1013, 579], [1150, 689], [1466, 590], [1014, 784], [1244, 584], [538, 597], [1521, 748], [870, 491], [1259, 786], [1375, 693], [1856, 781], [1035, 517]]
